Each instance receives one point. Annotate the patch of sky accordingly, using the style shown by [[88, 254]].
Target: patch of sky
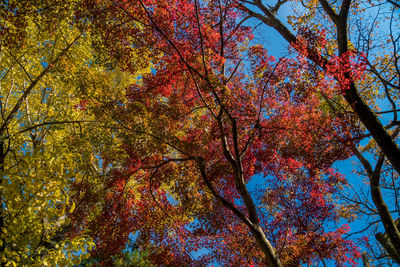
[[174, 202], [44, 63]]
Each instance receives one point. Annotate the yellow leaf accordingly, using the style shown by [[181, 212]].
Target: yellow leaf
[[72, 207]]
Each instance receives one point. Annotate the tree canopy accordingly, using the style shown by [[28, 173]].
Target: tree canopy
[[151, 132]]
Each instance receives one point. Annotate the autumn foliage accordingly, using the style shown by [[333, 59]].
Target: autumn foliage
[[213, 102], [186, 134]]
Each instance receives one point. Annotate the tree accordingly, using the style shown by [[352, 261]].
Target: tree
[[197, 130], [53, 60], [355, 35], [44, 47]]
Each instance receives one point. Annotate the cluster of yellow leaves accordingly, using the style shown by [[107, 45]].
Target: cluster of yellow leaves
[[47, 141], [38, 93]]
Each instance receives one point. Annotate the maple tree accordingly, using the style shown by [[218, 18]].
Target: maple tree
[[362, 61], [197, 129]]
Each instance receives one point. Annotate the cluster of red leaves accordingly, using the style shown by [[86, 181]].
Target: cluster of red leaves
[[83, 103], [349, 67], [339, 71], [308, 44], [301, 207]]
